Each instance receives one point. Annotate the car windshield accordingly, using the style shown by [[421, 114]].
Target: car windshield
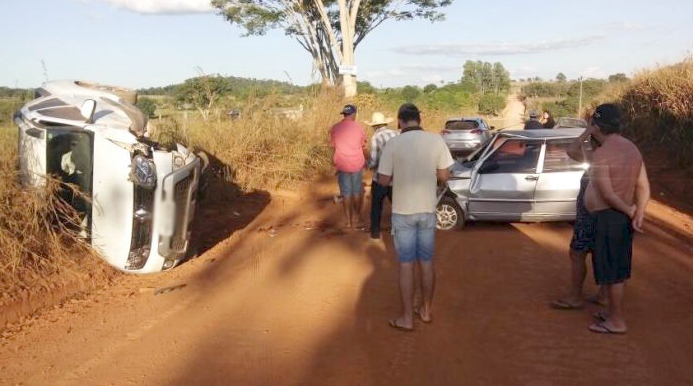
[[461, 125]]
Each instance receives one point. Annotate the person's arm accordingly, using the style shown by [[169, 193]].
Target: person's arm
[[602, 180], [443, 175], [384, 179], [445, 161], [642, 196], [576, 149], [373, 156]]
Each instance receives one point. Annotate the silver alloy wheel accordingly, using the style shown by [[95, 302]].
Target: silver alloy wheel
[[446, 216]]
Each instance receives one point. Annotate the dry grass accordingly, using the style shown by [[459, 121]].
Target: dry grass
[[38, 251], [658, 110], [660, 107], [265, 150]]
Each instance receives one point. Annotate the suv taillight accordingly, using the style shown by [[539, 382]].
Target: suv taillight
[[443, 132], [475, 131]]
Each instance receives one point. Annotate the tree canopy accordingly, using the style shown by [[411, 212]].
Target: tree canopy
[[330, 30], [485, 77]]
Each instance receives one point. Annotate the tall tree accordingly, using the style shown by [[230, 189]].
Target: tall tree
[[202, 92], [330, 30], [485, 77]]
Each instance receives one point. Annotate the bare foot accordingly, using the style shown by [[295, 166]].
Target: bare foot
[[425, 316], [399, 324]]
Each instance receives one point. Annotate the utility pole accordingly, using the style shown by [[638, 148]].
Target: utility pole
[[580, 103]]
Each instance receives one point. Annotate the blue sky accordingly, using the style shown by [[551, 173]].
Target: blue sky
[[148, 43]]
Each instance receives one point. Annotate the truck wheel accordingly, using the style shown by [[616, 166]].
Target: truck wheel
[[449, 215]]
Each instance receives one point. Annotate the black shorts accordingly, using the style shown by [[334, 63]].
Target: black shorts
[[613, 246]]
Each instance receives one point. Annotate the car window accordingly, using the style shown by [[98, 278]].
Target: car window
[[571, 122], [514, 156], [556, 158], [461, 125]]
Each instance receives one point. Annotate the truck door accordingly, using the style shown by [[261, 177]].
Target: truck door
[[32, 154]]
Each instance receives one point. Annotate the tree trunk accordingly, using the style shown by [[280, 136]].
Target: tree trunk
[[348, 24]]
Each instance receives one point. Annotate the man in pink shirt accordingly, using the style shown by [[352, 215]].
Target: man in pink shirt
[[348, 138]]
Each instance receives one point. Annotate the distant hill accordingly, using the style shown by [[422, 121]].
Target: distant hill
[[241, 87]]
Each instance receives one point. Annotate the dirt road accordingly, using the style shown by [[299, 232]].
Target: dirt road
[[281, 296], [514, 112]]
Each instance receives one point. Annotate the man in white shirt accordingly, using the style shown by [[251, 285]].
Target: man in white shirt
[[414, 161]]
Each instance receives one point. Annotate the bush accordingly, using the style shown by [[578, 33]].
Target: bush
[[492, 104], [658, 110], [146, 105]]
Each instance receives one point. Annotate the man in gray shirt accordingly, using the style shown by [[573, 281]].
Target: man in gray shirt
[[414, 162]]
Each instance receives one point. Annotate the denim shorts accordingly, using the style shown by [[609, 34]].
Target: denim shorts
[[350, 184], [414, 236]]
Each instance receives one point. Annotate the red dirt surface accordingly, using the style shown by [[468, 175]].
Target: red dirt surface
[[281, 296]]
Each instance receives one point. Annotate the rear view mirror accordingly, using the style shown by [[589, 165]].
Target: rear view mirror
[[87, 110]]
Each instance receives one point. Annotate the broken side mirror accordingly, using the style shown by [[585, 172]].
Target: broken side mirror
[[87, 110]]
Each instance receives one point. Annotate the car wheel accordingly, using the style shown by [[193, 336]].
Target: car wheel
[[449, 215]]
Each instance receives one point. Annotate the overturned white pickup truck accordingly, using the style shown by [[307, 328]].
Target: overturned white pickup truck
[[143, 196]]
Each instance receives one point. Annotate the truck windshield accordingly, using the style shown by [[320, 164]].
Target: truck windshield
[[69, 158]]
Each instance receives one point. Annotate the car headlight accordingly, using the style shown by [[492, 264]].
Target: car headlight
[[178, 161], [143, 172]]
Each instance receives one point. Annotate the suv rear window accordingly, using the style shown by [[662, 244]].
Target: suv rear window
[[461, 125]]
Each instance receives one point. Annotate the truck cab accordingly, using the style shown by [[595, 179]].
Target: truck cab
[[137, 198]]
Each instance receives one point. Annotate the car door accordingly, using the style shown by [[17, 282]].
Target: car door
[[503, 182], [559, 182]]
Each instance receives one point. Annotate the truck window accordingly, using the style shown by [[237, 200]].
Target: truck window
[[69, 158]]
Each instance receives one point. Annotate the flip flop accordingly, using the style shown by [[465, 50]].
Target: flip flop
[[417, 312], [563, 305], [600, 328], [393, 323], [601, 315]]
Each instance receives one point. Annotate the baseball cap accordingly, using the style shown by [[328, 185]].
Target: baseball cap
[[532, 113], [348, 109]]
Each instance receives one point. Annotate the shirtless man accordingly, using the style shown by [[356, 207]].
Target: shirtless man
[[616, 174]]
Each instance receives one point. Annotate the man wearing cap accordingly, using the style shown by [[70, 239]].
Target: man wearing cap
[[348, 138], [414, 161], [533, 123], [380, 137], [616, 197]]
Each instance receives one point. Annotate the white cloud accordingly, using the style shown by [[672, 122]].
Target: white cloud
[[593, 72], [413, 74], [624, 26], [496, 49], [522, 72], [162, 6]]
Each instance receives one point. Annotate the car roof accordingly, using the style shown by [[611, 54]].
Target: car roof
[[478, 119], [544, 133]]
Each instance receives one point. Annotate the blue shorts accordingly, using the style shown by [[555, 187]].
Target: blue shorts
[[414, 236], [350, 184]]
